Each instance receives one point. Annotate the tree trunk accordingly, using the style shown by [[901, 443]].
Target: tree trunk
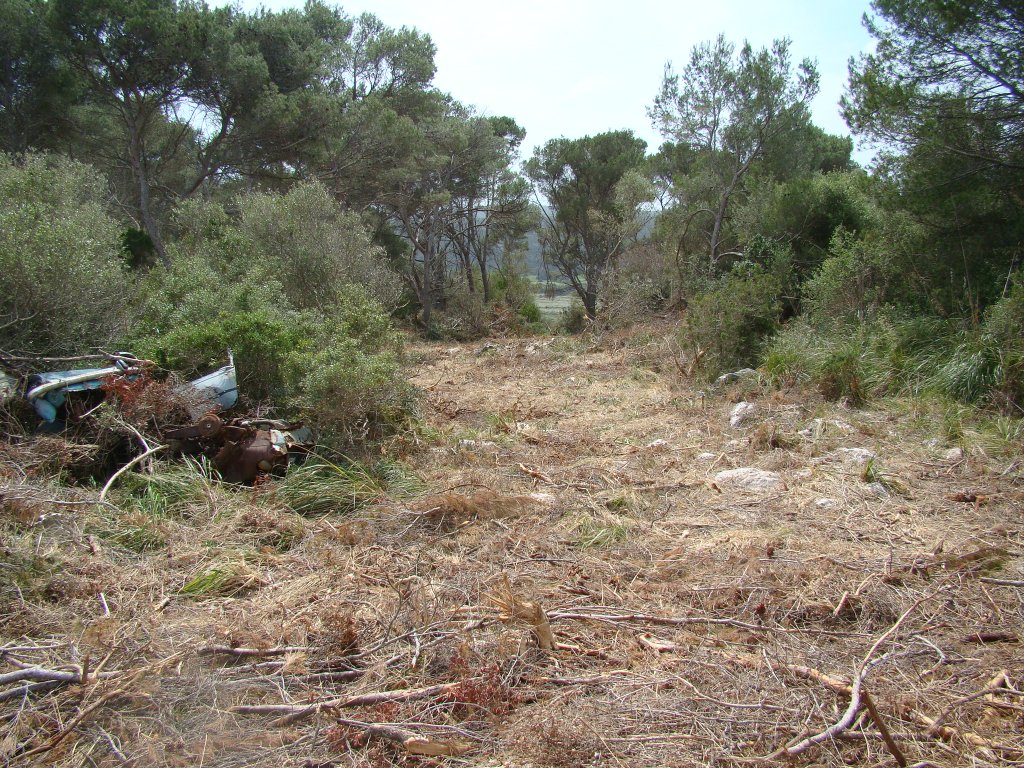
[[136, 152], [485, 281], [716, 230]]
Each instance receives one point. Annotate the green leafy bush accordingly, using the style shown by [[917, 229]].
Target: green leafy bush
[[314, 247], [726, 327], [893, 354], [64, 281], [343, 373], [573, 319]]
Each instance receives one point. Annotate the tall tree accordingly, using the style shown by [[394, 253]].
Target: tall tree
[[951, 65], [590, 191], [490, 202], [134, 56], [943, 96], [36, 87], [728, 109]]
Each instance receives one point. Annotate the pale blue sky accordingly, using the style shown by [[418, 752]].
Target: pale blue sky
[[572, 68]]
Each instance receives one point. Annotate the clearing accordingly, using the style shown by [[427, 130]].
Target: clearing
[[568, 579]]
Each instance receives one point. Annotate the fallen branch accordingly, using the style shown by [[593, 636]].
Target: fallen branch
[[536, 475], [681, 621], [1002, 582], [835, 684], [890, 742], [126, 467], [227, 650], [77, 720], [293, 713], [39, 674], [936, 729], [411, 741]]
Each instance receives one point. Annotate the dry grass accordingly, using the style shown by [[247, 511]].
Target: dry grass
[[568, 483]]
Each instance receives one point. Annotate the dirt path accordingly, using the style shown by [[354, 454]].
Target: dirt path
[[867, 517]]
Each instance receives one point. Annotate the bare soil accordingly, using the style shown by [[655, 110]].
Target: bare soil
[[573, 584]]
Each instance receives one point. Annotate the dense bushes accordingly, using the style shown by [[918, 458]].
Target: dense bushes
[[726, 326], [63, 280], [295, 289], [889, 353]]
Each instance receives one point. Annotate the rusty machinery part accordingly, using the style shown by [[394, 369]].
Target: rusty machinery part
[[248, 453], [209, 426]]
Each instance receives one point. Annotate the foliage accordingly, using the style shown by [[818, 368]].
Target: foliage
[[596, 192], [313, 247], [64, 282], [726, 327], [343, 372], [573, 319], [722, 114], [36, 88], [942, 95], [890, 353], [321, 487]]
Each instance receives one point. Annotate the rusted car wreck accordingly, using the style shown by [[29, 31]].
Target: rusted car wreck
[[241, 448]]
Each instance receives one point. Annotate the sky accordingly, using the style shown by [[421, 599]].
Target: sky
[[574, 68]]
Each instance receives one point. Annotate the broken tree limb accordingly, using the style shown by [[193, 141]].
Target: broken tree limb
[[840, 726], [890, 742], [77, 720], [292, 713], [937, 730], [227, 650], [835, 684], [126, 467], [681, 621], [39, 674], [412, 742], [1002, 582]]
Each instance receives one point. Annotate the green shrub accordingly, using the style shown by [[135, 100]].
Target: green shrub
[[321, 487], [261, 342], [573, 319], [529, 311], [891, 354], [726, 327], [314, 247], [343, 374], [64, 281]]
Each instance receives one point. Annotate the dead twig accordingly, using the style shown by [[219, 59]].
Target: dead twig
[[293, 713], [227, 650], [113, 478], [411, 741]]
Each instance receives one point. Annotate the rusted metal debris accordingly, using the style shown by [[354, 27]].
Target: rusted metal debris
[[242, 449]]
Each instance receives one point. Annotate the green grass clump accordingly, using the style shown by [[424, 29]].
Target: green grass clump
[[592, 533], [321, 487], [224, 579]]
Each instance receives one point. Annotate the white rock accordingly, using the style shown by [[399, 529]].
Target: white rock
[[878, 490], [826, 504], [853, 455], [741, 414], [749, 479], [955, 454], [821, 426], [729, 378], [469, 445], [706, 456]]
